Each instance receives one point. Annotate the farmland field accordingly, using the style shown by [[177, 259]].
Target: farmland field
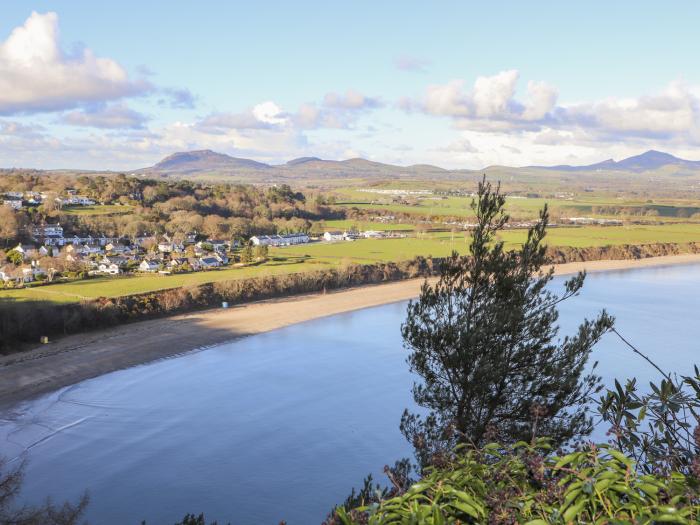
[[321, 255], [128, 285], [525, 208]]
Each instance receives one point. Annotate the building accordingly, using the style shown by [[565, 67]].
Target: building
[[280, 240], [149, 266], [334, 236], [108, 268], [76, 200], [209, 262], [13, 203], [49, 234]]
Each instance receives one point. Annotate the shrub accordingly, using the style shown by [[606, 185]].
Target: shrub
[[530, 484]]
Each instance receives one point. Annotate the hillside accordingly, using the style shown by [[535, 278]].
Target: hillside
[[205, 164]]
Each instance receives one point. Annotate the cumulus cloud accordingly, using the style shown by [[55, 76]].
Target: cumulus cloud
[[266, 115], [491, 105], [335, 111], [108, 116], [37, 75]]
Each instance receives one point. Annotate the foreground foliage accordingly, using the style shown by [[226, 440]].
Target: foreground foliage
[[530, 484], [484, 342], [48, 513]]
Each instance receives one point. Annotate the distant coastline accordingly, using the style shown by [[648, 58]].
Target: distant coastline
[[76, 358]]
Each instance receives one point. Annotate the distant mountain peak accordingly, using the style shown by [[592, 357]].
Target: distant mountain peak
[[203, 160], [301, 160], [649, 160]]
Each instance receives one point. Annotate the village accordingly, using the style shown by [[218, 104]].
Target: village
[[53, 254]]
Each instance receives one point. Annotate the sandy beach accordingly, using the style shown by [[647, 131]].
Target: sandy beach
[[82, 356]]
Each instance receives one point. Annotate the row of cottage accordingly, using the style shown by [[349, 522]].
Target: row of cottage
[[17, 199], [302, 238]]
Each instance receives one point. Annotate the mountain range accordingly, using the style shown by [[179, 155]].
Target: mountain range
[[210, 164]]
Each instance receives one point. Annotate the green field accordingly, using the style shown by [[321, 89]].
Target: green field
[[107, 209], [345, 225], [127, 285], [324, 255], [523, 208]]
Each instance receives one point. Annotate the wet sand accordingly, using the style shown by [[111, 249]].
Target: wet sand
[[76, 358]]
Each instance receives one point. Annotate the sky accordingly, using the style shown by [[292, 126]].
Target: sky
[[120, 85]]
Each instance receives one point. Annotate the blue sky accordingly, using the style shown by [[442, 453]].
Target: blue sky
[[458, 84]]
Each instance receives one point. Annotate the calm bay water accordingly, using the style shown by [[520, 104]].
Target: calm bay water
[[282, 425]]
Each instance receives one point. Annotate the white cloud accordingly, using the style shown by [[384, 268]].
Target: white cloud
[[491, 95], [491, 105], [336, 111], [269, 113], [37, 75]]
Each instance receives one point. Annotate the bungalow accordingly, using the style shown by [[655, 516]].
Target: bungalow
[[209, 262], [148, 266], [371, 234], [333, 236]]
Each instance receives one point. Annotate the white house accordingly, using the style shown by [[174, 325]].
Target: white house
[[108, 268], [209, 262], [333, 236], [12, 203], [148, 266], [76, 200], [50, 234], [371, 234]]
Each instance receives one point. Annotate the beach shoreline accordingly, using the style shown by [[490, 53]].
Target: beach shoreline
[[79, 357]]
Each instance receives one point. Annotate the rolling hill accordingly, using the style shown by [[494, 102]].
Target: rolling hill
[[207, 164]]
